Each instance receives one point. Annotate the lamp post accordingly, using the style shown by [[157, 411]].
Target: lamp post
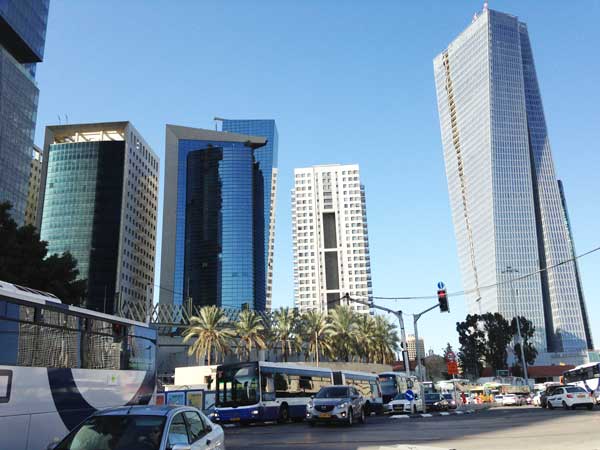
[[509, 270]]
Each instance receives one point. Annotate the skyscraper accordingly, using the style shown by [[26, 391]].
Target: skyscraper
[[100, 204], [331, 243], [266, 159], [22, 38], [506, 205], [214, 235], [34, 187], [411, 344]]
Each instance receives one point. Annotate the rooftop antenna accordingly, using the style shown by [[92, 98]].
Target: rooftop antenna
[[217, 120], [485, 6], [59, 122], [66, 119]]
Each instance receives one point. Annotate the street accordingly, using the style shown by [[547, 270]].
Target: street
[[523, 428]]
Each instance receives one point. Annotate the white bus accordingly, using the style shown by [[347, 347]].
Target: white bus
[[586, 376], [366, 383], [394, 383], [59, 364], [266, 391]]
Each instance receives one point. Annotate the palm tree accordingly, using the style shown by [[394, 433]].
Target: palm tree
[[250, 332], [364, 337], [316, 333], [385, 340], [285, 331], [343, 327], [212, 332]]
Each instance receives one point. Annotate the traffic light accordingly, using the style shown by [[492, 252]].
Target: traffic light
[[443, 300]]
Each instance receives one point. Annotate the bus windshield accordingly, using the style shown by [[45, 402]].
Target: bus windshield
[[237, 385], [388, 384]]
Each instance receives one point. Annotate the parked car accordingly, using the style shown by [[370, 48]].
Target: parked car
[[436, 402], [342, 404], [570, 397], [511, 400], [498, 399], [399, 404], [452, 404], [145, 428]]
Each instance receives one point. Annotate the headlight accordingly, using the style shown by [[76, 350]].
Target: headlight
[[254, 412], [343, 405], [309, 405]]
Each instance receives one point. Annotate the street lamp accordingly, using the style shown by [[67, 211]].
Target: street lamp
[[508, 271]]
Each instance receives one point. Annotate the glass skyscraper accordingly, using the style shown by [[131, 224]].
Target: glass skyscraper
[[100, 201], [22, 38], [214, 231], [506, 204], [266, 159]]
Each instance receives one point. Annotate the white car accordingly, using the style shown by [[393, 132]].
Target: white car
[[570, 397], [145, 427], [498, 398], [399, 404], [511, 400]]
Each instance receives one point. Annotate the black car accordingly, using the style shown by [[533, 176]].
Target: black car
[[451, 401], [436, 402]]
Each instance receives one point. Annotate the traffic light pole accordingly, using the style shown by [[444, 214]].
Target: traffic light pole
[[400, 318], [416, 318]]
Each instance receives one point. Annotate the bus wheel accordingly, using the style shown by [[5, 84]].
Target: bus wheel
[[284, 413]]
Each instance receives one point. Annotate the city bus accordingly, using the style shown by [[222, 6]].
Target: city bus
[[266, 391], [367, 384], [60, 363], [586, 376], [394, 383]]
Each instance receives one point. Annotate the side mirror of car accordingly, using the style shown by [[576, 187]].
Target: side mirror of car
[[52, 445], [312, 397]]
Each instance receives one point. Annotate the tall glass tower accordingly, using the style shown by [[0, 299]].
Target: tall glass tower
[[22, 38], [266, 161], [506, 204], [214, 235]]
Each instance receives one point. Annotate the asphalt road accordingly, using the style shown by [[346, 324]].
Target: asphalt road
[[516, 428]]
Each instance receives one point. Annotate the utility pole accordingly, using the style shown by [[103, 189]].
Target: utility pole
[[510, 270], [398, 315], [416, 318]]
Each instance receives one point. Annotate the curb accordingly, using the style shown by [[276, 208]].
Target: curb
[[432, 414]]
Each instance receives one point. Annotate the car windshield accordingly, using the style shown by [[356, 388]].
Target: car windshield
[[400, 396], [333, 392], [447, 396], [388, 384], [432, 397], [575, 389], [116, 433], [237, 386]]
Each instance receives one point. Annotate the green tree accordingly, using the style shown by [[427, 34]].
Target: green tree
[[343, 323], [365, 337], [472, 340], [316, 331], [385, 340], [436, 367], [250, 332], [497, 338], [23, 261], [285, 331], [448, 350], [212, 333], [527, 332]]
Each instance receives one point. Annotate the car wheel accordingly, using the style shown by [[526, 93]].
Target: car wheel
[[564, 405], [350, 417], [363, 416], [550, 405], [284, 414]]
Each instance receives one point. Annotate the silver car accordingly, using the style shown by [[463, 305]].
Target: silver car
[[145, 428], [341, 404]]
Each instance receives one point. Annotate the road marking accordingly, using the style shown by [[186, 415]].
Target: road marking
[[399, 417], [426, 415], [444, 414], [459, 412]]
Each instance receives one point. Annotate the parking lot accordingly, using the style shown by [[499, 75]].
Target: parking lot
[[498, 428]]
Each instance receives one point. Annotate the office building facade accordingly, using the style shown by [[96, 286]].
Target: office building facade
[[331, 243], [22, 37], [33, 189], [505, 199], [266, 159], [100, 202], [213, 245], [411, 345]]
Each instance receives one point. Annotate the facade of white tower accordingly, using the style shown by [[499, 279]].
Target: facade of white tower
[[504, 195], [331, 244]]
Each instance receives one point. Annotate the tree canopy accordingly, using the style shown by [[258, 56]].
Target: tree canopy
[[23, 261]]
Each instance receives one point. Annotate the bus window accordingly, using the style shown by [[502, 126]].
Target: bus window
[[5, 385]]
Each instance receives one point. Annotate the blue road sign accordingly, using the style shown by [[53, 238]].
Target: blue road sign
[[441, 285], [410, 395]]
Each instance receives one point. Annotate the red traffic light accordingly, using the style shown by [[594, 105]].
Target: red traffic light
[[443, 300]]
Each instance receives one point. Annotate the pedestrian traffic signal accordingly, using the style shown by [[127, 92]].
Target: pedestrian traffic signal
[[443, 300]]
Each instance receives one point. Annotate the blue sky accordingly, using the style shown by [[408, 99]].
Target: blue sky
[[347, 82]]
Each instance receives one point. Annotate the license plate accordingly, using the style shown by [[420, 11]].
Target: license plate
[[235, 419], [325, 415], [580, 396]]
